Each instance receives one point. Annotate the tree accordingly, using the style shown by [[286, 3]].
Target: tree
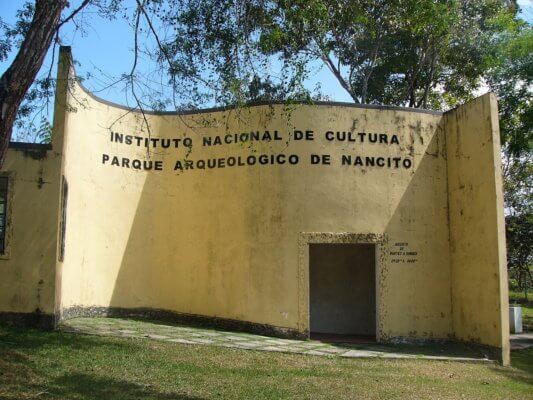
[[416, 53], [511, 78], [519, 235], [16, 80]]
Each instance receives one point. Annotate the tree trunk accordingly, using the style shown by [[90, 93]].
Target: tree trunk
[[17, 79]]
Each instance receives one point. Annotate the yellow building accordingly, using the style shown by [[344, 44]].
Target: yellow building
[[282, 219]]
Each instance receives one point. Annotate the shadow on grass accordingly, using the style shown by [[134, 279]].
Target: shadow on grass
[[27, 368], [24, 382], [448, 349], [523, 360], [21, 338], [522, 367], [83, 386]]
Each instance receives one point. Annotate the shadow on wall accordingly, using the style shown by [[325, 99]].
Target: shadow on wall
[[199, 242], [222, 242], [202, 262], [187, 261]]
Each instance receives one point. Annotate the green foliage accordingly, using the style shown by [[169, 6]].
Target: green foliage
[[518, 185], [44, 133], [519, 233], [511, 78], [398, 52], [418, 53], [32, 122], [214, 54], [13, 35]]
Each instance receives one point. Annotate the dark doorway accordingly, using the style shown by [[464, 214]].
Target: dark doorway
[[342, 292]]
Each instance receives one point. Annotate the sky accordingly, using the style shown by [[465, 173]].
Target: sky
[[105, 51]]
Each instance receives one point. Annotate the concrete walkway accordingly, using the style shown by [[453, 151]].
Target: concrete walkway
[[521, 341], [131, 328]]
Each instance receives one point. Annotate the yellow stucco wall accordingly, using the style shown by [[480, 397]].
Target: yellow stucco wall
[[30, 281], [27, 269], [232, 241], [477, 225], [224, 242]]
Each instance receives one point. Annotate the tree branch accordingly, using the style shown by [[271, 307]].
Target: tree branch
[[17, 79], [132, 72], [324, 55], [73, 14], [331, 65]]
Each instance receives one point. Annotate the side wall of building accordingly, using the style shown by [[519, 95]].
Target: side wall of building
[[477, 225], [27, 269], [30, 287]]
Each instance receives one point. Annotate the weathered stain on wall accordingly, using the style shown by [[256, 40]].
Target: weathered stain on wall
[[224, 242], [27, 267], [477, 225]]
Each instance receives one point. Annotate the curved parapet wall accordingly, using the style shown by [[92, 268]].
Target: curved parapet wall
[[213, 213], [205, 213]]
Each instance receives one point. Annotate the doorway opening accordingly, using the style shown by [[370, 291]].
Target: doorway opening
[[342, 292]]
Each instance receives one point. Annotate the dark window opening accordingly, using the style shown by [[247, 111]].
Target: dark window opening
[[4, 183], [63, 224]]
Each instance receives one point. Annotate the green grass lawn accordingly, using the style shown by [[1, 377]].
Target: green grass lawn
[[527, 309], [56, 365]]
